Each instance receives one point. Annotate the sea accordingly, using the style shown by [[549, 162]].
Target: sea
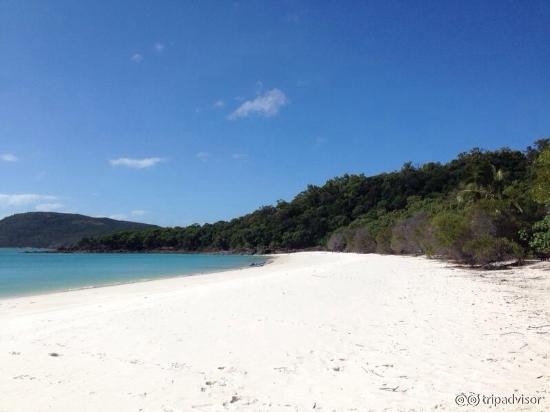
[[30, 271]]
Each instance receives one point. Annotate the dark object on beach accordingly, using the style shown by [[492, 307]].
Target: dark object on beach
[[254, 264], [54, 354]]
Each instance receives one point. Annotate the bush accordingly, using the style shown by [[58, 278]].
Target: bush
[[480, 223], [362, 241], [458, 233], [540, 238], [383, 241], [412, 235], [487, 249], [336, 242], [451, 231], [541, 183]]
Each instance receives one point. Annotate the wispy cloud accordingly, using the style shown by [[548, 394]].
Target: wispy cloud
[[319, 141], [135, 163], [218, 104], [296, 17], [203, 156], [136, 58], [118, 216], [48, 207], [292, 18], [267, 105], [239, 156], [8, 157], [23, 199], [124, 216], [159, 47]]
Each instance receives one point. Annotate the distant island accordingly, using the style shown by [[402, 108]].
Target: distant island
[[53, 230], [480, 208]]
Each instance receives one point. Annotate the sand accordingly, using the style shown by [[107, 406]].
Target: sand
[[309, 332]]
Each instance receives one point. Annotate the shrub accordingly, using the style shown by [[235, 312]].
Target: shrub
[[336, 242], [412, 235], [541, 183], [540, 239], [487, 249], [480, 223], [450, 227], [362, 241], [450, 230], [383, 241]]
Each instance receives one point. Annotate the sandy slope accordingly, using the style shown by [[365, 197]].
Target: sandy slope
[[309, 332]]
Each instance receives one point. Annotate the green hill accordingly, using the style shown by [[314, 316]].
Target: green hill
[[50, 230]]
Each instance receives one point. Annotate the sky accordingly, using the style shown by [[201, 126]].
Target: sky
[[176, 112]]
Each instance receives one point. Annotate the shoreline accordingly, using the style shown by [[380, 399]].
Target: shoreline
[[268, 259], [311, 331]]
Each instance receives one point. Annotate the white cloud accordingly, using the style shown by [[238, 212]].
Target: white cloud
[[204, 156], [296, 17], [123, 216], [239, 156], [8, 157], [23, 199], [48, 207], [159, 47], [292, 18], [118, 216], [318, 141], [135, 163], [267, 104], [218, 104], [136, 58]]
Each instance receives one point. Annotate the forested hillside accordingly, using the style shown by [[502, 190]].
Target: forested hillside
[[481, 207], [49, 229]]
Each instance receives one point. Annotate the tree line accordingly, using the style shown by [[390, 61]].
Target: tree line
[[482, 207]]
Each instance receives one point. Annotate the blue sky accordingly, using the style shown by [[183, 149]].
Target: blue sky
[[177, 112]]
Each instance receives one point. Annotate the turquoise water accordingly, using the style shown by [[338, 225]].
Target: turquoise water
[[32, 273]]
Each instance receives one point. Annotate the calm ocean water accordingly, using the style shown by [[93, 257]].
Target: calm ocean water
[[31, 273]]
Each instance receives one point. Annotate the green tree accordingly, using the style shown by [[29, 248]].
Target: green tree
[[540, 242], [541, 181]]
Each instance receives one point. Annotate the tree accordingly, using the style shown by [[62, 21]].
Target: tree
[[541, 182], [540, 240]]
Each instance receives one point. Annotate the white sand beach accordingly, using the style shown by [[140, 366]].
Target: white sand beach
[[311, 331]]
